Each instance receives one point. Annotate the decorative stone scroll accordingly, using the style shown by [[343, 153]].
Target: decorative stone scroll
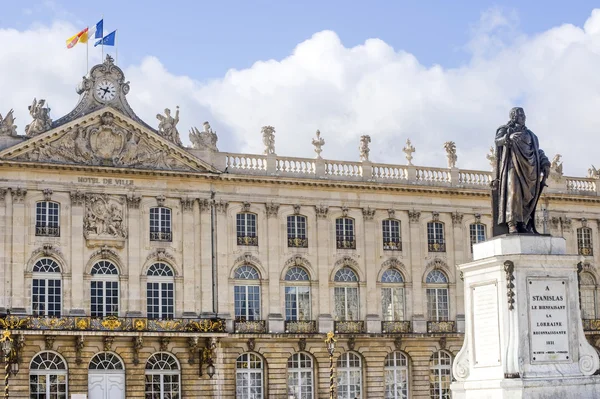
[[138, 343], [47, 194], [272, 209], [457, 218], [77, 198], [245, 206], [164, 343], [391, 214], [192, 349], [368, 213], [221, 206], [187, 204], [133, 201], [321, 211], [18, 195], [414, 216], [79, 345], [160, 255]]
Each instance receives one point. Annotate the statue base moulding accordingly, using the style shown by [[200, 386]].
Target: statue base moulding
[[524, 335]]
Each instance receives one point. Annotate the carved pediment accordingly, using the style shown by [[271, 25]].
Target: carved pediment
[[105, 138]]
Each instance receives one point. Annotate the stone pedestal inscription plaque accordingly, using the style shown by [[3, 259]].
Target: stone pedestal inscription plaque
[[548, 320], [485, 322]]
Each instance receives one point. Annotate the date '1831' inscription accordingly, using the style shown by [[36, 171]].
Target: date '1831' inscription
[[548, 320]]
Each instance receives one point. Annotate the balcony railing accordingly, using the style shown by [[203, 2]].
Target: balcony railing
[[586, 250], [439, 246], [392, 246], [111, 323], [395, 327], [248, 240], [250, 326], [591, 325], [161, 236], [298, 242], [46, 231], [300, 326], [349, 327], [441, 326], [346, 244]]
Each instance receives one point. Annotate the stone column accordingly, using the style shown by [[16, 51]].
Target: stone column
[[134, 261], [323, 246], [415, 255], [77, 252], [372, 268], [190, 264], [275, 318], [204, 278], [18, 256]]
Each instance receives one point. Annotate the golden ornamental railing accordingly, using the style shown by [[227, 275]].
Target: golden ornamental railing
[[250, 326], [346, 244], [441, 326], [438, 246], [161, 236], [591, 325], [298, 242], [300, 326], [586, 250], [247, 240], [395, 327], [47, 231], [349, 327], [392, 245]]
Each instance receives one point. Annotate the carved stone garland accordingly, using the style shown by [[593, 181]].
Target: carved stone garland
[[509, 268]]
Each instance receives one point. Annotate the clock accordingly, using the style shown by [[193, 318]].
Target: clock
[[105, 90]]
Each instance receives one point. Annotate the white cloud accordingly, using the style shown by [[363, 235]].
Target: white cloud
[[346, 92]]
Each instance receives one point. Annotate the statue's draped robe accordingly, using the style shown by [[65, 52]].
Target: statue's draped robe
[[518, 174]]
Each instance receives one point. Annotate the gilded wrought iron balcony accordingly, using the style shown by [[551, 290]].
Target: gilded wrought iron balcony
[[47, 231], [112, 323], [346, 244], [441, 326], [392, 245], [300, 326], [438, 246], [248, 240], [161, 236], [395, 327], [298, 242], [586, 250], [250, 326], [591, 325], [349, 327]]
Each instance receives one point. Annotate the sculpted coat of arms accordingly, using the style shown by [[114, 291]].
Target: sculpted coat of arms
[[104, 216]]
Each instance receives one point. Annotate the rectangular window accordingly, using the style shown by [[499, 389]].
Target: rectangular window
[[437, 304], [346, 303], [584, 241], [297, 303], [104, 298], [391, 235], [47, 219], [296, 231], [160, 224], [588, 304], [246, 229], [46, 297], [160, 300], [247, 302], [344, 233], [392, 302], [435, 237], [476, 233]]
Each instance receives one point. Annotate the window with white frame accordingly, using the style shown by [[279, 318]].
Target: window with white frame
[[296, 231], [349, 376], [246, 229], [476, 233], [47, 219], [246, 293], [392, 295], [249, 377], [440, 369], [435, 237], [300, 376], [584, 241], [297, 294], [587, 292], [48, 376], [46, 288], [104, 289], [163, 376], [160, 224], [160, 292], [437, 296], [391, 235], [346, 295], [106, 361], [396, 376], [344, 233]]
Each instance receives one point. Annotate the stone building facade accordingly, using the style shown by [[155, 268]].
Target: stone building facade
[[135, 267]]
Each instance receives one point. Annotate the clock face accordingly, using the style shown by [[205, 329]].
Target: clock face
[[105, 90]]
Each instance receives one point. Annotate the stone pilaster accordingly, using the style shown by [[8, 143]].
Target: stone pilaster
[[77, 252], [204, 253], [4, 255], [191, 264], [371, 270], [275, 318], [415, 254], [458, 252], [19, 257], [325, 320], [134, 260], [224, 296]]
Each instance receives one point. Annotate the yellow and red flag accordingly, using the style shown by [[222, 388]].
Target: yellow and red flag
[[80, 37]]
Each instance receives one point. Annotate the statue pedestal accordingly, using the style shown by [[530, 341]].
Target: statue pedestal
[[524, 336]]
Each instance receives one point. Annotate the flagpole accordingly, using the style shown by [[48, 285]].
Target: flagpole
[[116, 48], [102, 39], [87, 53]]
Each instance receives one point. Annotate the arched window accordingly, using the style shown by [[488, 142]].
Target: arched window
[[46, 288], [588, 296], [47, 376], [476, 233], [440, 365], [162, 376], [584, 241], [344, 233], [246, 229], [396, 376], [349, 376], [246, 293], [47, 219], [300, 376], [392, 240], [249, 377], [104, 289], [392, 295], [160, 292], [437, 296], [346, 295], [106, 361], [297, 294], [296, 231], [160, 224], [435, 237]]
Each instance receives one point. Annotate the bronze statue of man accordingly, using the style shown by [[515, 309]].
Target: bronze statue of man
[[521, 171]]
